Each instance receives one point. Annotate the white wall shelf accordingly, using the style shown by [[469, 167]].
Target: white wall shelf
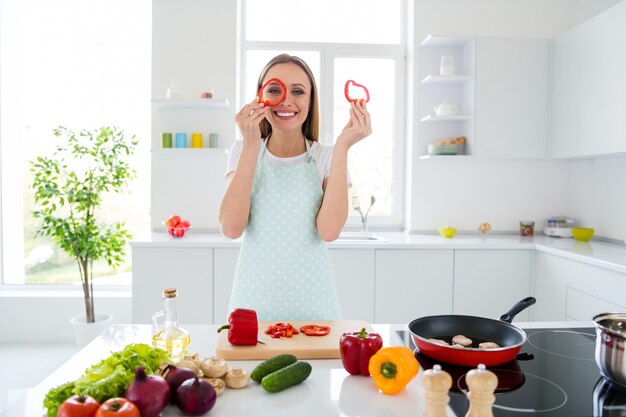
[[446, 79], [190, 103], [447, 157], [431, 118], [189, 151], [455, 41]]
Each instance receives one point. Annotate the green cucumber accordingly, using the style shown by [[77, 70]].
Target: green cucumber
[[286, 377], [271, 365]]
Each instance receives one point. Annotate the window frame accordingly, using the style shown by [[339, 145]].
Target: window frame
[[328, 53]]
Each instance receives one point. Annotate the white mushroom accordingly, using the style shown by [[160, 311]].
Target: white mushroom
[[217, 383], [237, 378], [214, 367], [461, 340], [439, 342], [488, 345]]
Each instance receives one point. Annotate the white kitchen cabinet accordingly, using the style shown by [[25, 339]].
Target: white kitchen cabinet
[[412, 283], [456, 89], [489, 282], [588, 85], [570, 290], [512, 98], [355, 275], [190, 270], [224, 263]]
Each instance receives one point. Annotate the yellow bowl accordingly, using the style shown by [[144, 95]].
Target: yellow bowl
[[582, 234], [447, 231]]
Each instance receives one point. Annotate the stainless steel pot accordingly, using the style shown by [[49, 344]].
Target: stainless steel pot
[[610, 344]]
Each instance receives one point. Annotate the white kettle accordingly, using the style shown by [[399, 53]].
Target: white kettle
[[445, 109]]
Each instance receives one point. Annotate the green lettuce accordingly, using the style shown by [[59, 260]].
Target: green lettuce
[[108, 378]]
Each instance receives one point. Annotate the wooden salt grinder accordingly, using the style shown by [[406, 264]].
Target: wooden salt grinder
[[437, 383], [482, 383]]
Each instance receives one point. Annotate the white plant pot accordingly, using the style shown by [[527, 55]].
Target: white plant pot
[[86, 332]]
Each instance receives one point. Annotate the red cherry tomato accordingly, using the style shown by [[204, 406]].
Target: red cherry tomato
[[78, 406], [173, 221], [184, 223], [315, 330], [118, 407]]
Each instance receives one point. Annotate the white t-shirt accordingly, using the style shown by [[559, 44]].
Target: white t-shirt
[[322, 153]]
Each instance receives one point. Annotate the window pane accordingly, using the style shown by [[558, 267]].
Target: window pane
[[86, 65], [344, 21], [256, 61], [371, 160]]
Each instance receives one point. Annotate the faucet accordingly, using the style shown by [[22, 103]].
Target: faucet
[[356, 204]]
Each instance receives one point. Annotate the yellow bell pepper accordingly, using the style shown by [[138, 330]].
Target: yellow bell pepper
[[393, 368]]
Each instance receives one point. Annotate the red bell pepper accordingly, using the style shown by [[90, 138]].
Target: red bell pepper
[[276, 93], [346, 92], [356, 350], [243, 327]]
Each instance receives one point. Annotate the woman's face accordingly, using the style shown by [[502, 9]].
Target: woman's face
[[291, 113]]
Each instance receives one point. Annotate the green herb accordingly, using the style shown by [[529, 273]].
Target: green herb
[[108, 378]]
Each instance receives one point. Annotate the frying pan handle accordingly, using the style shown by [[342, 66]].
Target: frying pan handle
[[517, 308]]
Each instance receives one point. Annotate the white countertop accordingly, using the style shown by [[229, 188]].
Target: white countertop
[[329, 391], [597, 253]]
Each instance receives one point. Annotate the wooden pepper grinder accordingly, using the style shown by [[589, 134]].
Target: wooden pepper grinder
[[482, 383], [437, 383]]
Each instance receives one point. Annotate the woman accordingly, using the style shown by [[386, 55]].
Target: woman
[[290, 194]]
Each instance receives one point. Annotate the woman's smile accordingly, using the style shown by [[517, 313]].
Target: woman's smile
[[285, 114]]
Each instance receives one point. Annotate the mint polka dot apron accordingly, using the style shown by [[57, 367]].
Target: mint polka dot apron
[[284, 270]]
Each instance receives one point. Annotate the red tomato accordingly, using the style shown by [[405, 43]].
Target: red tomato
[[179, 231], [173, 221], [118, 407], [78, 406], [184, 223], [315, 330]]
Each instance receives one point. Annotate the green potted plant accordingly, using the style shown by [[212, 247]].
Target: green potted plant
[[68, 189]]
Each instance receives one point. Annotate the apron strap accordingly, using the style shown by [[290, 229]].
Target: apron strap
[[309, 151]]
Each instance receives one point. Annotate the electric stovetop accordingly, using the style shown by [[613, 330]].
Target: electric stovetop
[[555, 375]]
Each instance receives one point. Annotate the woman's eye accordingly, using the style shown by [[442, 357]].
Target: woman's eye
[[297, 92], [276, 91]]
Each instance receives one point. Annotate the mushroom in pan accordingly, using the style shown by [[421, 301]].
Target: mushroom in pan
[[488, 345], [461, 340], [439, 341]]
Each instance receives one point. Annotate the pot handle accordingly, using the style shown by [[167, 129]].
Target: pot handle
[[517, 308]]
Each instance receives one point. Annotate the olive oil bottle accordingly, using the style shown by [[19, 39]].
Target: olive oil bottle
[[167, 334]]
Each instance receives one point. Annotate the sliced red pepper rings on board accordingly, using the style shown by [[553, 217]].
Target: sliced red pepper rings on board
[[272, 93], [315, 330], [243, 327], [356, 350], [358, 93], [279, 330]]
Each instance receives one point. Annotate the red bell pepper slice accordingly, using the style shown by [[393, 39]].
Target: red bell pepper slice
[[356, 350], [243, 327], [354, 99], [275, 94], [315, 330]]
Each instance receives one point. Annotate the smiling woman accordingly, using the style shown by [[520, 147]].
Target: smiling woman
[[60, 66]]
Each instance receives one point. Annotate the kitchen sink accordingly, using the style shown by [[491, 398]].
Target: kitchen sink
[[360, 237]]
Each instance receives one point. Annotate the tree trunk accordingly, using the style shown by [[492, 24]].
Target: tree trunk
[[87, 291]]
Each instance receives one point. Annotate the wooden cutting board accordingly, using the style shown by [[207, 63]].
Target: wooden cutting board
[[300, 345]]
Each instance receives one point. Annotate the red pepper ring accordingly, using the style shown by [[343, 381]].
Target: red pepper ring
[[267, 102], [346, 92], [315, 330]]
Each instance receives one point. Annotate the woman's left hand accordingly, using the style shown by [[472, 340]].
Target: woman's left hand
[[359, 126]]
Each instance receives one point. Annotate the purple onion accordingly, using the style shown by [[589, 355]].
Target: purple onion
[[150, 393], [195, 397], [176, 376]]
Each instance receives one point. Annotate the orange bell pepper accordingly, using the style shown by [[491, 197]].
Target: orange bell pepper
[[393, 368]]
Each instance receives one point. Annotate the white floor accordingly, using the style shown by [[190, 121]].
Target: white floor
[[23, 366]]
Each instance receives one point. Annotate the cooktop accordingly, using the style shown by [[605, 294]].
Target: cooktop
[[554, 375]]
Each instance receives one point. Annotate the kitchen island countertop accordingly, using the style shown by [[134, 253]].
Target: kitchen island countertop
[[329, 391], [598, 253]]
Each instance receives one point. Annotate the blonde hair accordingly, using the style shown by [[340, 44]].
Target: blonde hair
[[311, 126]]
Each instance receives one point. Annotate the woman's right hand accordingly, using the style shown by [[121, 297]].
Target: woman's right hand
[[248, 120]]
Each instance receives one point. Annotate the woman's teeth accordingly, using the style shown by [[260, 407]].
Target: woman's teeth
[[285, 114]]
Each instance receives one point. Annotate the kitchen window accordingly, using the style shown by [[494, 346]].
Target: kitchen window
[[81, 65], [360, 40]]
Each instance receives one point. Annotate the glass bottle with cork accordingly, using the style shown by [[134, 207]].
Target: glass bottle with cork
[[167, 334]]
